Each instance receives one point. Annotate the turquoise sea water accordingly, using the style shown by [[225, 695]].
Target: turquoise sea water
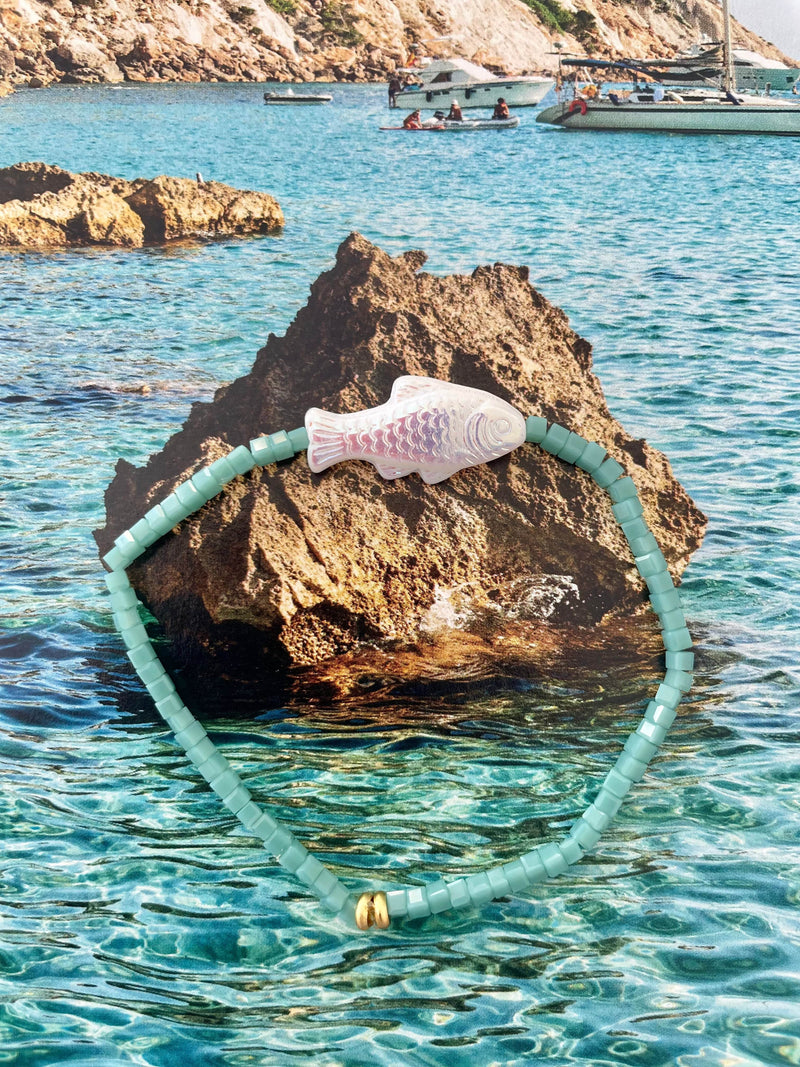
[[137, 924]]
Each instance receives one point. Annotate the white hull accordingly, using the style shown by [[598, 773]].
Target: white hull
[[757, 115], [297, 98], [466, 126], [517, 92]]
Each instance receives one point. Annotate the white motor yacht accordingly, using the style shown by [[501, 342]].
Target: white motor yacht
[[437, 83]]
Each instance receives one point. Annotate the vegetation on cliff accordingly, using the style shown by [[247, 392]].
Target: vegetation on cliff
[[47, 41]]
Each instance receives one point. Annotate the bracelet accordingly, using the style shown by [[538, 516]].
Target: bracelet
[[434, 428]]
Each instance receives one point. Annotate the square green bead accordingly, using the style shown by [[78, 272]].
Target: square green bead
[[607, 802], [249, 815], [141, 656], [652, 733], [677, 640], [570, 850], [417, 904], [175, 712], [116, 560], [498, 882], [175, 510], [680, 679], [680, 661], [298, 439], [630, 767], [627, 509], [584, 835], [236, 799], [598, 820], [634, 528], [660, 714], [660, 582], [642, 546], [554, 862], [291, 858], [190, 735], [309, 870], [459, 894], [225, 782], [326, 882], [672, 620], [480, 888], [214, 766], [117, 581], [608, 472], [151, 671], [276, 840], [661, 603], [591, 457], [188, 496], [535, 429], [337, 899], [206, 484], [438, 898], [621, 489], [534, 868], [161, 687], [200, 751], [516, 876], [617, 784], [640, 748], [572, 448], [555, 438]]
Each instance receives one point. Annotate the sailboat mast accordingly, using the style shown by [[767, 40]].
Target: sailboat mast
[[727, 48]]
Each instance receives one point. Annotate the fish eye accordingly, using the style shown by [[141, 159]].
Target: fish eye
[[502, 426]]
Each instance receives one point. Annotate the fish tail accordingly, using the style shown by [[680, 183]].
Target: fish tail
[[326, 438]]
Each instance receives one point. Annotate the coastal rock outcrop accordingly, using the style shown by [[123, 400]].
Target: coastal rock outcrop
[[289, 568], [43, 206]]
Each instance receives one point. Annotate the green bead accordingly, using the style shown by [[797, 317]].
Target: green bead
[[534, 868], [608, 472], [677, 640], [206, 484], [630, 767], [293, 856], [309, 871], [621, 489], [480, 888], [175, 712], [123, 599], [584, 835], [298, 439], [225, 782], [141, 656], [160, 687], [640, 748], [661, 603], [397, 903], [516, 876], [535, 429], [115, 560], [634, 528], [188, 496], [200, 751], [652, 733], [337, 899], [554, 862], [617, 784], [660, 714], [265, 827], [642, 546], [190, 735], [573, 447], [438, 898], [672, 620], [117, 581], [591, 457], [607, 802], [555, 438], [652, 563], [417, 904], [660, 582], [680, 661], [236, 799], [249, 815], [325, 883], [498, 882], [570, 850], [680, 679], [175, 510], [134, 637], [598, 820], [241, 459], [459, 893], [627, 509], [126, 618], [668, 694], [214, 766]]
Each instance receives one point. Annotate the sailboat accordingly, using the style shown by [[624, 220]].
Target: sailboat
[[656, 108]]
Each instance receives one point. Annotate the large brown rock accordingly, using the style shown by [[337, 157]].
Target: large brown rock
[[289, 568], [43, 206]]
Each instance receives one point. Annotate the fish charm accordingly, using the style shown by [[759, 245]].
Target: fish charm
[[430, 427]]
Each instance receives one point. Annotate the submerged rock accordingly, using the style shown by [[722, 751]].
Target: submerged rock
[[287, 568], [43, 206]]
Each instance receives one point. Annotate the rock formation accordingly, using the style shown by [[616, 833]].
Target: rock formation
[[45, 41], [291, 568], [46, 207]]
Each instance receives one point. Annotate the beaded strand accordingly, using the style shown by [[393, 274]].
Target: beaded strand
[[545, 860]]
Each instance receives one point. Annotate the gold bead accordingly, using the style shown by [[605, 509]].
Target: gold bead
[[372, 910]]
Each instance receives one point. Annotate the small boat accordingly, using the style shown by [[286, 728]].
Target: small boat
[[440, 81], [705, 65], [291, 97], [655, 108], [464, 126]]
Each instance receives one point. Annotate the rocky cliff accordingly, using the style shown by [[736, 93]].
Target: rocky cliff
[[46, 41], [287, 568], [43, 207]]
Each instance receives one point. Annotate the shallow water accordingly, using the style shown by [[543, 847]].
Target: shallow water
[[138, 925]]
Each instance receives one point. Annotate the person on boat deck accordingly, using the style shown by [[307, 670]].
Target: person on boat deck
[[412, 121], [501, 110], [394, 89], [658, 93], [454, 114]]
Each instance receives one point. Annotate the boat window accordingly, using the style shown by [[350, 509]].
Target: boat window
[[444, 76]]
